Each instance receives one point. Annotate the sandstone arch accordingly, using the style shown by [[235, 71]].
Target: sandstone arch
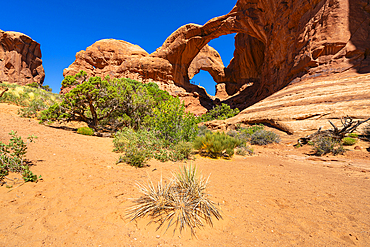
[[277, 43]]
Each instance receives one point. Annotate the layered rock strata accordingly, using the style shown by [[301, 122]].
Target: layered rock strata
[[20, 59], [307, 105]]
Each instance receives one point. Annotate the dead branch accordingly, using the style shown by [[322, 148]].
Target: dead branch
[[1, 94], [348, 126]]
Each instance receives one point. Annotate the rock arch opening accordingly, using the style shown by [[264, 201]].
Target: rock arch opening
[[204, 79]]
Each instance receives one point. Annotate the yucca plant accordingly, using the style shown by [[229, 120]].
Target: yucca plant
[[179, 203]]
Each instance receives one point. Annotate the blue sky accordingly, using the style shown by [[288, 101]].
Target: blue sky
[[65, 27]]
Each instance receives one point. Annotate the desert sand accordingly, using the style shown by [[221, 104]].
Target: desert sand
[[280, 196]]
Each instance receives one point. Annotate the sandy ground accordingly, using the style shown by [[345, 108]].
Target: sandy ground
[[281, 196]]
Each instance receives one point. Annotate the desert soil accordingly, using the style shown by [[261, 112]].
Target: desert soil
[[281, 196]]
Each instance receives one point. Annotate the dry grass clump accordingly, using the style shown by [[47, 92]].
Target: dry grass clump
[[179, 203]]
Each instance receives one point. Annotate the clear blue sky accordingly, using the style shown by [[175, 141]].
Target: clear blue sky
[[65, 27]]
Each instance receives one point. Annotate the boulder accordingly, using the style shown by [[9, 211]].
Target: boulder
[[20, 59]]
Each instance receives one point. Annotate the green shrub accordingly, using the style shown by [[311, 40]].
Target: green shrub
[[219, 112], [216, 144], [183, 150], [251, 130], [349, 141], [264, 137], [353, 135], [85, 131], [325, 145], [171, 123], [136, 157], [12, 158]]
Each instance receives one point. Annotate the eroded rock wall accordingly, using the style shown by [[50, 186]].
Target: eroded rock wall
[[277, 43], [20, 59]]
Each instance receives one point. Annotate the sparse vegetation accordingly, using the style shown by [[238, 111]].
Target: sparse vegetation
[[32, 99], [326, 145], [12, 158], [244, 150], [348, 141], [85, 131], [181, 202], [264, 137], [216, 144], [219, 112]]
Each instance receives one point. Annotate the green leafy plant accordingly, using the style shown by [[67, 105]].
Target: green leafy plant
[[219, 112], [203, 130], [348, 141], [264, 137], [216, 144], [325, 145], [12, 158], [85, 131], [181, 202], [171, 123]]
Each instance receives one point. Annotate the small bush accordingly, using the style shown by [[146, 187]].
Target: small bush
[[85, 131], [216, 144], [264, 137], [203, 130], [353, 135], [243, 151], [327, 145], [349, 141], [220, 112], [251, 130], [179, 203], [183, 150], [12, 158], [136, 157]]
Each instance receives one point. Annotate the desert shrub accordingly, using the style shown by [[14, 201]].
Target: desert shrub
[[32, 99], [183, 150], [349, 141], [203, 130], [325, 145], [12, 158], [251, 130], [181, 202], [219, 112], [171, 123], [243, 151], [264, 137], [85, 131], [216, 144], [103, 104], [353, 135]]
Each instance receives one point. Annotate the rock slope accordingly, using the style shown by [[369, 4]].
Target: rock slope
[[20, 59]]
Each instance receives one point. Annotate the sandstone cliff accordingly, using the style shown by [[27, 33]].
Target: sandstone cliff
[[278, 43], [20, 59]]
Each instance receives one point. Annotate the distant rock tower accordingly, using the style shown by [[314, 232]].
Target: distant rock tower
[[20, 59]]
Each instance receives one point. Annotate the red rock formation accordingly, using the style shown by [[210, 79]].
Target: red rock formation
[[277, 43], [309, 104], [20, 59]]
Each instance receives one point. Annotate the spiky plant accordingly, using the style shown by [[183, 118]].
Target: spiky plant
[[180, 203]]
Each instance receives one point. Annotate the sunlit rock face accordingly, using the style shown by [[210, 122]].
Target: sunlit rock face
[[20, 59], [278, 43]]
